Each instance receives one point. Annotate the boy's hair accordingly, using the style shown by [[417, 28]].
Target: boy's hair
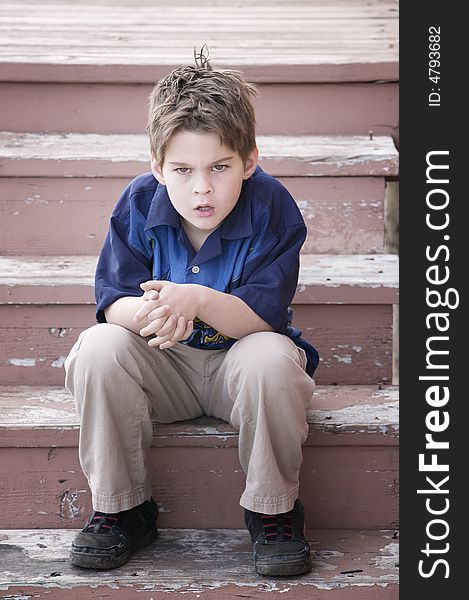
[[201, 98]]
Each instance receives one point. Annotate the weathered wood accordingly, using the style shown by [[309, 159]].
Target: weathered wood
[[210, 564], [341, 485], [315, 108], [367, 411], [127, 155], [299, 41], [194, 465], [323, 279], [344, 215], [354, 342]]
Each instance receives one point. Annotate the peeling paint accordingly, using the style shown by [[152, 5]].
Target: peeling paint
[[68, 508], [194, 561], [390, 557], [346, 358], [22, 362], [59, 362], [60, 332]]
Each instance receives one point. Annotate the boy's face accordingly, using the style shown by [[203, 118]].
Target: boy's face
[[203, 178]]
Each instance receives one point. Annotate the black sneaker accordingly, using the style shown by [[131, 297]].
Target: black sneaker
[[107, 540], [279, 542]]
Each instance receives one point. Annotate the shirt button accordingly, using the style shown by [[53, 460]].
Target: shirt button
[[195, 269]]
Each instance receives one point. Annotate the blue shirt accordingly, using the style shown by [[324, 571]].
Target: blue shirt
[[253, 254]]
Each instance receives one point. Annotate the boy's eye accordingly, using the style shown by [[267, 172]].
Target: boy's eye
[[182, 170], [219, 168]]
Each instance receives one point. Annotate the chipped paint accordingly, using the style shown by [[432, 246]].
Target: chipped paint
[[390, 556], [59, 362], [378, 417], [22, 362], [346, 358], [68, 504], [60, 332], [194, 561]]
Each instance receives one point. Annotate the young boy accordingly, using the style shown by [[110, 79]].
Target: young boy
[[193, 287]]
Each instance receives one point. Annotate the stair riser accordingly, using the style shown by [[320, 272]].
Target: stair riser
[[354, 341], [312, 108], [342, 487], [53, 216], [389, 591]]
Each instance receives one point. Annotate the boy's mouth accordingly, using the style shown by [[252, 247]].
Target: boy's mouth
[[204, 210]]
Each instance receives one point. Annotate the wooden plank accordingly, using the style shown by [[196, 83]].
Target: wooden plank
[[340, 410], [193, 463], [324, 279], [354, 341], [196, 486], [127, 155], [317, 108], [308, 41], [344, 215], [214, 564]]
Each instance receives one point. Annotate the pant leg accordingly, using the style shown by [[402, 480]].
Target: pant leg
[[119, 384], [262, 389]]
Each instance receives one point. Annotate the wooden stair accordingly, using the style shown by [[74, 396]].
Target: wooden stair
[[74, 84], [195, 563], [353, 438]]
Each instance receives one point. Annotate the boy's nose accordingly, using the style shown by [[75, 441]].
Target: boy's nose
[[202, 185]]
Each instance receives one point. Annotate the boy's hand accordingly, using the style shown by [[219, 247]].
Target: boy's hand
[[180, 298], [166, 313]]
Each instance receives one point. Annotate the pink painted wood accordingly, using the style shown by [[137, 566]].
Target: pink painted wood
[[49, 216], [337, 108], [302, 41], [213, 565], [127, 155], [195, 468]]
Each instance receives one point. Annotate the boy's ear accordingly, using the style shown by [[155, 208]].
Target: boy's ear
[[251, 163], [156, 170]]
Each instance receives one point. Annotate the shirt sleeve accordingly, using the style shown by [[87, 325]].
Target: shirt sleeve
[[121, 267], [269, 279]]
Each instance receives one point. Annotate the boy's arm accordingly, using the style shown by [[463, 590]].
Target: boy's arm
[[261, 301], [122, 311], [224, 312]]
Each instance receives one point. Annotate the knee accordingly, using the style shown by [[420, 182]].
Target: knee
[[98, 348], [268, 354]]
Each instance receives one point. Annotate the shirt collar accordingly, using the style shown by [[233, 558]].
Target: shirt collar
[[238, 224], [161, 211]]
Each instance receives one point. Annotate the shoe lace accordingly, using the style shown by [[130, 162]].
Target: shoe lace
[[100, 521], [277, 528]]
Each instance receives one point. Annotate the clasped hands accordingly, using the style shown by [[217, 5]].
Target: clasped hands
[[168, 312]]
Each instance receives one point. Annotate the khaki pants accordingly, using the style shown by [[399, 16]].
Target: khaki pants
[[120, 384]]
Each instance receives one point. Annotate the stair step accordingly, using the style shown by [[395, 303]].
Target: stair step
[[324, 279], [313, 108], [344, 215], [208, 564], [111, 41], [127, 155], [58, 191], [46, 301], [348, 478]]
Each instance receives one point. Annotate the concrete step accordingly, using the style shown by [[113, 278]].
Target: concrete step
[[348, 478], [343, 304], [208, 564], [58, 191]]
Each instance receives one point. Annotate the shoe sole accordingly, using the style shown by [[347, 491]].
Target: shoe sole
[[87, 560], [284, 569]]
